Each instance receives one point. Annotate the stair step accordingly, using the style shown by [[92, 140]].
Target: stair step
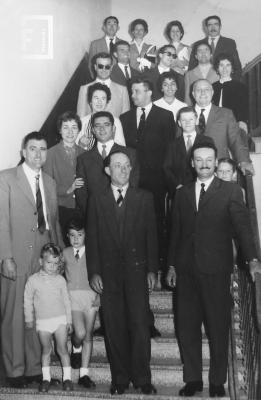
[[101, 392]]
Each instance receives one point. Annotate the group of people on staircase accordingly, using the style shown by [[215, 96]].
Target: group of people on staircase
[[132, 187]]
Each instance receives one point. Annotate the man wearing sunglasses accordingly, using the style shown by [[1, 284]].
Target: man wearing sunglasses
[[166, 55], [119, 103]]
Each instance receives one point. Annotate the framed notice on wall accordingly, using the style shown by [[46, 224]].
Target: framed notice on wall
[[37, 37]]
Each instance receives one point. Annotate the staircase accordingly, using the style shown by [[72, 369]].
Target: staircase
[[166, 366]]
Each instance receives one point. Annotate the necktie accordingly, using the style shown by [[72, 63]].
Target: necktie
[[201, 194], [202, 122], [120, 198], [212, 45], [127, 73], [39, 206], [77, 256], [111, 47], [104, 154], [142, 122], [189, 143]]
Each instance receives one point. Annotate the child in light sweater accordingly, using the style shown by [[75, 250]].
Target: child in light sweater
[[46, 297], [84, 301]]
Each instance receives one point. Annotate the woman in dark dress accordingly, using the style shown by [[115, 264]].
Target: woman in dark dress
[[230, 93]]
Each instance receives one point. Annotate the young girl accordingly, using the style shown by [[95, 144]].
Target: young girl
[[46, 296], [84, 301]]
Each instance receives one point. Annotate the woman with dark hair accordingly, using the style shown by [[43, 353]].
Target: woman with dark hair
[[175, 32], [61, 166], [98, 97], [230, 93], [167, 84], [142, 55]]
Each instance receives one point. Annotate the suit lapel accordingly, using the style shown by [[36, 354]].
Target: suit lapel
[[192, 195], [108, 204], [132, 208], [24, 185], [211, 191], [211, 116]]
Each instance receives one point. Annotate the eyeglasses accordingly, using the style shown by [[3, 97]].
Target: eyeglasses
[[101, 66], [170, 54]]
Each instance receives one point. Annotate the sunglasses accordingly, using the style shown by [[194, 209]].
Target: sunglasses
[[101, 66], [170, 54]]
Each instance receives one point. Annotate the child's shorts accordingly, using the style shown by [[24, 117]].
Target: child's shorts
[[84, 300], [50, 324]]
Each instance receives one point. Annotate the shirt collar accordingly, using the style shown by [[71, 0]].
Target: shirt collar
[[147, 109], [192, 134], [81, 251], [207, 108], [163, 69], [123, 188], [29, 172], [207, 182], [215, 39], [106, 82]]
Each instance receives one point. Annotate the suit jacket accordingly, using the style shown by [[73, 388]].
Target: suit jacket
[[224, 45], [118, 104], [18, 217], [90, 168], [132, 255], [118, 76], [59, 167], [134, 54], [192, 76], [177, 166], [98, 46], [203, 238], [153, 76], [234, 97], [224, 130], [160, 130]]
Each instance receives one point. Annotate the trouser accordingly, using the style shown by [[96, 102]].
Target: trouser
[[127, 339], [21, 349], [204, 298]]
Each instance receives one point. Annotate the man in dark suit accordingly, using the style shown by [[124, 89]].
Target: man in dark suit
[[205, 216], [219, 44], [219, 123], [122, 73], [89, 165], [122, 265], [166, 54], [150, 130], [105, 44], [28, 220]]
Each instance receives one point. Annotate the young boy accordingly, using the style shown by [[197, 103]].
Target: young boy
[[226, 169], [47, 298], [84, 301]]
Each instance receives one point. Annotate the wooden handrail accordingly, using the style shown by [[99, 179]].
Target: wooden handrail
[[251, 64]]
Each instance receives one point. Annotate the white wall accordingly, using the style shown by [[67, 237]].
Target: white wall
[[30, 88], [240, 20]]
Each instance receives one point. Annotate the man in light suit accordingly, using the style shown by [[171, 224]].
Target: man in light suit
[[205, 216], [105, 44], [119, 103], [28, 220], [150, 130], [122, 265], [219, 44], [219, 123]]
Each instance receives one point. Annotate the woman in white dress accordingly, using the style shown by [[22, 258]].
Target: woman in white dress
[[99, 96], [167, 84]]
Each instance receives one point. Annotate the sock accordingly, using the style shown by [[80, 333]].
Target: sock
[[67, 373], [84, 371], [77, 349], [46, 374]]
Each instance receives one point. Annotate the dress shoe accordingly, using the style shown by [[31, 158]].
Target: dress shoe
[[147, 388], [44, 386], [119, 388], [86, 382], [19, 382], [191, 388], [76, 360], [98, 332], [216, 390], [154, 332], [55, 382], [34, 379], [67, 385]]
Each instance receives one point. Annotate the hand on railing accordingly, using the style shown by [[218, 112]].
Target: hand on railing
[[247, 167]]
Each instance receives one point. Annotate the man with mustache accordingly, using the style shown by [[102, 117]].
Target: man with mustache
[[205, 216], [218, 43]]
